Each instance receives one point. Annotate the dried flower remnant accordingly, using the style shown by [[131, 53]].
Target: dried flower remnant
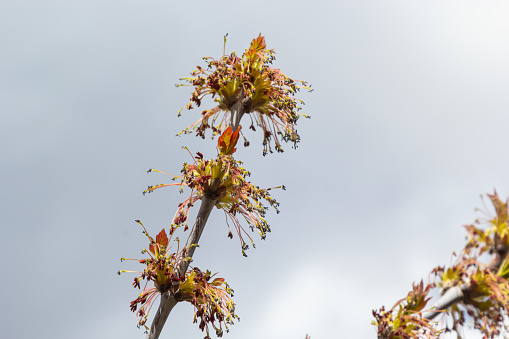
[[247, 85], [234, 195], [212, 300]]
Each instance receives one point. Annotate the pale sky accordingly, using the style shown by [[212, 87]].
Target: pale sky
[[409, 126]]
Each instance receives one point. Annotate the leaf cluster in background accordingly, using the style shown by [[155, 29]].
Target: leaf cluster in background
[[403, 321], [484, 286]]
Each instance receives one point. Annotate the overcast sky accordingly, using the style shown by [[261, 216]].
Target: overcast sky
[[409, 126]]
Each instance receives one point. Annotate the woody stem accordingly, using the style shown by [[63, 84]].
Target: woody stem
[[455, 294], [168, 301], [236, 111]]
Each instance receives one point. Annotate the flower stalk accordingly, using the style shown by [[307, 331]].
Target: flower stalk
[[240, 85]]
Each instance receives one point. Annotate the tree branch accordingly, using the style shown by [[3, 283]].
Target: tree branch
[[455, 294], [236, 111], [450, 297], [168, 301], [201, 219]]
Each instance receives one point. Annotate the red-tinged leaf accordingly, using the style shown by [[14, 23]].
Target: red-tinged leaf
[[227, 141], [257, 45], [152, 248], [162, 238], [500, 207], [217, 282]]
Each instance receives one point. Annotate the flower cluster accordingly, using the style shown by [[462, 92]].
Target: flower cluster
[[211, 300], [264, 91], [484, 287], [224, 180]]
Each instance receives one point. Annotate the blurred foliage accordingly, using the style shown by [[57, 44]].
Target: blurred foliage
[[484, 285]]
